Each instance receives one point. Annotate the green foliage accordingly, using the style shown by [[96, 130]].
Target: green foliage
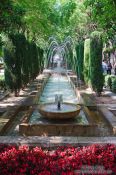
[[96, 74], [35, 61], [2, 82], [87, 61], [114, 85], [41, 59], [80, 59], [9, 63], [21, 57], [110, 82], [17, 42], [53, 18], [23, 61], [10, 16], [103, 12]]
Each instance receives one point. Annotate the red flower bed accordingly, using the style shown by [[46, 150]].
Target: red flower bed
[[94, 159]]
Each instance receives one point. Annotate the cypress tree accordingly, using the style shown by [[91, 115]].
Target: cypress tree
[[86, 67], [17, 63], [35, 62], [41, 59], [96, 74], [24, 60], [30, 60], [80, 58], [9, 63]]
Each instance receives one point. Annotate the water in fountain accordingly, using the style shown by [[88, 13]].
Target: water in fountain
[[58, 85], [59, 88]]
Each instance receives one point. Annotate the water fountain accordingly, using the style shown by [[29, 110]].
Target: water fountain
[[56, 97], [59, 109]]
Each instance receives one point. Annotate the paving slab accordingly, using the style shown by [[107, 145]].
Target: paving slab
[[56, 141]]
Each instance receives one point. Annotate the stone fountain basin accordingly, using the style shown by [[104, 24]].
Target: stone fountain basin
[[50, 111]]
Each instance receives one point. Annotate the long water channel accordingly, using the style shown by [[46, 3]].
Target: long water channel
[[59, 84]]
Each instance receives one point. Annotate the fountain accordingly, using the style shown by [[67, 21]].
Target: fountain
[[59, 109]]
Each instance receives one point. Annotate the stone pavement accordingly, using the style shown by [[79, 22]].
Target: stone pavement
[[56, 141], [107, 98], [25, 97]]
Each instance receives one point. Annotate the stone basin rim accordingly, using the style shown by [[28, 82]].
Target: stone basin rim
[[59, 114]]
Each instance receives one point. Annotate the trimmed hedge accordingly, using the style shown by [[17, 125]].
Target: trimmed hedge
[[23, 60], [86, 65], [96, 74], [114, 85], [2, 82], [80, 59]]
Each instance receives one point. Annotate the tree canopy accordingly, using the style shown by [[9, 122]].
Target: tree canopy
[[58, 18]]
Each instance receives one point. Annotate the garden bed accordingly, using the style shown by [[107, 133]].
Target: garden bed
[[68, 160]]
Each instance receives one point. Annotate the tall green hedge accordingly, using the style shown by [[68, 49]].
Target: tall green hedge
[[86, 65], [80, 58], [9, 60], [34, 60], [96, 74], [41, 59], [23, 61]]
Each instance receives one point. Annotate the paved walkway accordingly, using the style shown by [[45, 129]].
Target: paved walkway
[[56, 141], [25, 97]]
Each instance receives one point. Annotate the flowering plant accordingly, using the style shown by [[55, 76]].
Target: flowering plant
[[68, 160]]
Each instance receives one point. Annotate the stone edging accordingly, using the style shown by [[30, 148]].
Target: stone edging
[[56, 141]]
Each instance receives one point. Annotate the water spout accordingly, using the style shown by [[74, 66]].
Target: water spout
[[59, 105], [58, 100]]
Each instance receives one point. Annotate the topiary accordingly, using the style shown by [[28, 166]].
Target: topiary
[[80, 59], [86, 66], [96, 74]]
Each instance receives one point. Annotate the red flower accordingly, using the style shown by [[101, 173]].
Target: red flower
[[62, 161]]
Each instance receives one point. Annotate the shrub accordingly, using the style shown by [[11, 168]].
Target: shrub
[[96, 74], [80, 58], [109, 80], [2, 82], [9, 57], [87, 61], [114, 85]]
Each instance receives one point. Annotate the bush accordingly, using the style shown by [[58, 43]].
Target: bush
[[80, 58], [87, 61], [9, 57], [109, 81], [114, 85], [2, 82], [96, 73]]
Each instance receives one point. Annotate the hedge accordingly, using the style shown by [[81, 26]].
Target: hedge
[[96, 74]]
